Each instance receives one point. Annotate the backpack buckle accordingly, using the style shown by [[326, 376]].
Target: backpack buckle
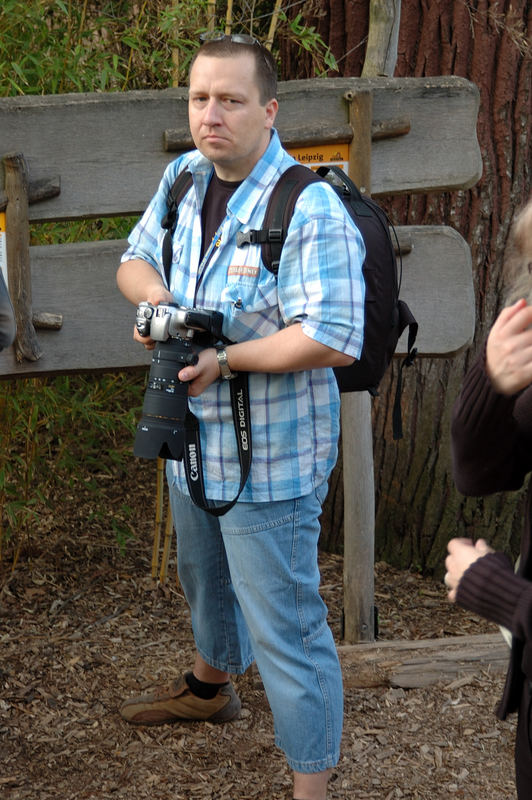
[[259, 237], [243, 238], [275, 235]]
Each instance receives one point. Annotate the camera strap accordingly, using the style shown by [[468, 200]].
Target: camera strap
[[239, 387], [240, 407]]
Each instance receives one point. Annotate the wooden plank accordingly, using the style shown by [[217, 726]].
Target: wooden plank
[[78, 281], [437, 284], [109, 151], [307, 134], [38, 191], [414, 664], [441, 149], [107, 148]]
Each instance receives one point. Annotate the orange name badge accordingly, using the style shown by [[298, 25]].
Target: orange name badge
[[322, 155], [243, 270]]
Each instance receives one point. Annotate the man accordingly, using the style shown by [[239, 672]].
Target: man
[[251, 576]]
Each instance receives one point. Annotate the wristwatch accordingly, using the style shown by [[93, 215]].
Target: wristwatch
[[225, 370]]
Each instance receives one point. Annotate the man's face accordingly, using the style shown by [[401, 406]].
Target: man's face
[[228, 124]]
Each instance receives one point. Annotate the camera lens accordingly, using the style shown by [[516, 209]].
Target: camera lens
[[160, 432]]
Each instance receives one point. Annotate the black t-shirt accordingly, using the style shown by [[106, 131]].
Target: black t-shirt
[[215, 208]]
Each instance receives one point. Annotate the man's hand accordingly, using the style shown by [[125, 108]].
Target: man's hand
[[509, 349], [157, 294], [202, 374], [462, 553]]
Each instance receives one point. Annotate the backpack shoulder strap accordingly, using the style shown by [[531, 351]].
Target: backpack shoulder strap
[[278, 215], [360, 204], [179, 189], [364, 206], [280, 209]]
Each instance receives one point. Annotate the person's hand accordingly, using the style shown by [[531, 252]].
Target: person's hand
[[462, 553], [202, 374], [155, 295], [509, 349]]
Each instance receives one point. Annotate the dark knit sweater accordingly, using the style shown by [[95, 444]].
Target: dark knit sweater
[[492, 452]]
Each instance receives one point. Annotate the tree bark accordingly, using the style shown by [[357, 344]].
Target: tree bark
[[418, 509]]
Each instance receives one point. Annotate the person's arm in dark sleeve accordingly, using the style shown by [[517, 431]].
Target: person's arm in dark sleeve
[[491, 428], [491, 589]]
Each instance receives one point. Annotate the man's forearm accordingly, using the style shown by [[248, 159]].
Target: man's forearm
[[138, 281], [288, 350]]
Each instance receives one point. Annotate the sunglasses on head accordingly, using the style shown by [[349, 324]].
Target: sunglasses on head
[[237, 38]]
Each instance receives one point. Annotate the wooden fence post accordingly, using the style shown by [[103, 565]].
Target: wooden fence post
[[357, 431], [383, 36], [357, 439], [18, 255]]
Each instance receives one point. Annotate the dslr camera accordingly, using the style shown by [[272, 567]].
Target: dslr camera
[[179, 333]]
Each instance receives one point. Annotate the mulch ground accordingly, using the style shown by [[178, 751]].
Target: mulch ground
[[83, 625]]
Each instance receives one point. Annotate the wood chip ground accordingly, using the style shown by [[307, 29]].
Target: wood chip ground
[[83, 625]]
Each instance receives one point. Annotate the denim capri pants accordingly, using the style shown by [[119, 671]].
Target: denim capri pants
[[251, 580]]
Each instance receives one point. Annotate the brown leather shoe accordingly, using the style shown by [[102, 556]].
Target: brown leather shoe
[[176, 702]]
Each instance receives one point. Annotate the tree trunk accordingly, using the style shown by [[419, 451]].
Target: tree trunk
[[418, 508]]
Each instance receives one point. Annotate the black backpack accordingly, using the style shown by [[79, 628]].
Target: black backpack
[[385, 315]]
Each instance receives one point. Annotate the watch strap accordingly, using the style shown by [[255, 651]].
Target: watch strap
[[225, 370]]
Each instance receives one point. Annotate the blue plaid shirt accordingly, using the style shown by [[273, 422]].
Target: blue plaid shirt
[[294, 416]]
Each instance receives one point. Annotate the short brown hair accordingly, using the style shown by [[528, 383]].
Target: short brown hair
[[265, 66]]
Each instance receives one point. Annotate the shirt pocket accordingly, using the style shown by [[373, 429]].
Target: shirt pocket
[[250, 302], [249, 290]]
